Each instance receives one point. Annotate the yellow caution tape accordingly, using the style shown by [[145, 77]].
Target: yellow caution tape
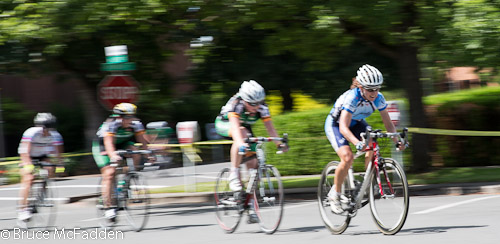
[[428, 131], [443, 132], [10, 162]]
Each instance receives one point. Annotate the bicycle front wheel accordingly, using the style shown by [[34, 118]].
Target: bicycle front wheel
[[389, 198], [228, 210], [335, 223], [269, 199], [42, 201], [136, 202]]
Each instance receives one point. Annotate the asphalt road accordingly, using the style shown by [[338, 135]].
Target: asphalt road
[[436, 219], [432, 219]]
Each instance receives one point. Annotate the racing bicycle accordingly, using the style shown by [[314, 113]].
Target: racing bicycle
[[263, 193], [42, 201], [129, 193], [383, 186]]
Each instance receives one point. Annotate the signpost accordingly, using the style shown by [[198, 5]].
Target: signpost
[[117, 88], [394, 109]]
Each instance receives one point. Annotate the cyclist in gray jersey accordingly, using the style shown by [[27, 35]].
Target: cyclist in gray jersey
[[120, 131], [346, 121]]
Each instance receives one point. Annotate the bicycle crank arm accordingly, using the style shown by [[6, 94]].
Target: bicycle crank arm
[[388, 196], [269, 199]]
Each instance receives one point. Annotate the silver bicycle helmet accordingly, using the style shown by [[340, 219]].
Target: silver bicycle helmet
[[46, 120], [252, 92], [369, 76]]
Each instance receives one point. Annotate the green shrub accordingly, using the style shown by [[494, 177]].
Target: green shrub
[[310, 150]]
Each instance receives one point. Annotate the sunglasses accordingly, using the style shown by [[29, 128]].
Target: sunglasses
[[129, 117], [255, 104], [372, 89]]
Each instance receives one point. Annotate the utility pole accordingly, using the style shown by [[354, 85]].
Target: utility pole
[[2, 141]]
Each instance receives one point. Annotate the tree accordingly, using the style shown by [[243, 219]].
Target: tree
[[70, 36], [314, 34]]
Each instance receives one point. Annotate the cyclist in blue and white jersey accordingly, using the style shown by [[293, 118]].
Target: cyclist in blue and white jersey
[[346, 121], [38, 142]]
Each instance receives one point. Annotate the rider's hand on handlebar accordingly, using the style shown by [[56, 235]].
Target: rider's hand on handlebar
[[360, 146], [400, 146], [243, 148], [283, 147], [115, 158]]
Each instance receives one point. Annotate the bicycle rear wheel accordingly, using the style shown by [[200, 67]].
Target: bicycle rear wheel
[[335, 223], [136, 204], [228, 210], [389, 207], [42, 201], [269, 199]]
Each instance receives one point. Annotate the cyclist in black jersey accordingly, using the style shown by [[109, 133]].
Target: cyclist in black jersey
[[120, 131]]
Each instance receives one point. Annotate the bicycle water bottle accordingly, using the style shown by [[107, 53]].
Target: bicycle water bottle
[[120, 184]]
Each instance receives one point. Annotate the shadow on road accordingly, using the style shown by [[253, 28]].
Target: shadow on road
[[419, 231]]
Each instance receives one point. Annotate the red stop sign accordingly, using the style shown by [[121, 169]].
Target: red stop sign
[[115, 89]]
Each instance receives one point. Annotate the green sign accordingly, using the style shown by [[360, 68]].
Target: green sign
[[117, 59], [117, 66]]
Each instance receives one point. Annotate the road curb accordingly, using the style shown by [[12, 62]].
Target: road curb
[[309, 193]]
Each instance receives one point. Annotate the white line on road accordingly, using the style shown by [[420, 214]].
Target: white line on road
[[454, 205]]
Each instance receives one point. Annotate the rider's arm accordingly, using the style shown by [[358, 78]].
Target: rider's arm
[[141, 138], [234, 123], [344, 122], [268, 123], [109, 145], [24, 152]]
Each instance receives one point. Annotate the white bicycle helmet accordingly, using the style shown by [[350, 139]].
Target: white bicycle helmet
[[369, 76], [252, 92], [46, 120]]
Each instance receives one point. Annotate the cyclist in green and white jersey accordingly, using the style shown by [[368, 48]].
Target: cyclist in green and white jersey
[[120, 131], [235, 121]]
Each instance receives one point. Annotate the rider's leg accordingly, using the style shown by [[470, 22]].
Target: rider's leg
[[346, 160], [26, 181], [236, 158], [107, 173]]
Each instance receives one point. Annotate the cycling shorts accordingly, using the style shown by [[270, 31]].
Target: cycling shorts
[[223, 128], [99, 153], [336, 138]]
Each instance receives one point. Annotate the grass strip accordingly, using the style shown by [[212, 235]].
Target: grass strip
[[439, 176]]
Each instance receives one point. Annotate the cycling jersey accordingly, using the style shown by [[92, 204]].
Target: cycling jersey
[[235, 107], [114, 128], [124, 137], [353, 102], [40, 145]]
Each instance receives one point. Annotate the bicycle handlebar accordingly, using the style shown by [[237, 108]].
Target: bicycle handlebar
[[127, 153], [403, 135], [284, 140]]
